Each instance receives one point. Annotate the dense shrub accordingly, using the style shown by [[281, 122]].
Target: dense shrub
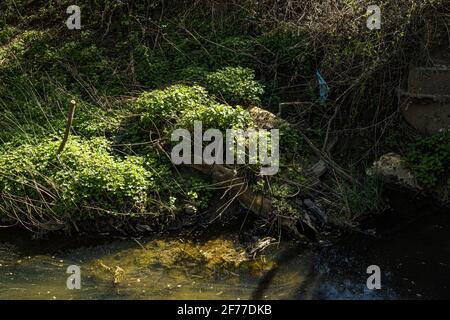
[[165, 106], [84, 175], [235, 85], [179, 106], [217, 116]]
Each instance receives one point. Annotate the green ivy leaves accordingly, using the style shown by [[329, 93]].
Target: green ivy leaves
[[429, 159]]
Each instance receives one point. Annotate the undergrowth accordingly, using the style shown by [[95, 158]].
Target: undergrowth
[[188, 61], [429, 160]]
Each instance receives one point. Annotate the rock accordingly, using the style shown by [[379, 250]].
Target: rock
[[429, 80], [319, 168], [143, 227], [426, 113], [316, 210], [190, 209], [390, 168], [265, 119]]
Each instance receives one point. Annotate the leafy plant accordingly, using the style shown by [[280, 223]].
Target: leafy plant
[[429, 159], [217, 116], [85, 175], [162, 107], [235, 85], [197, 190], [181, 105]]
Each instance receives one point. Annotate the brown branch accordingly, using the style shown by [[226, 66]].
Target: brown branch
[[70, 115]]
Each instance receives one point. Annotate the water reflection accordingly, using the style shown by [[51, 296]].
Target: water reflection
[[179, 269], [415, 263]]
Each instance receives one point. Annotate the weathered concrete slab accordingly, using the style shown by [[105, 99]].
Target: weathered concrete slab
[[441, 57], [434, 81], [426, 115]]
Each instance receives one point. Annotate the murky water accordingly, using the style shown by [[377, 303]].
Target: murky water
[[414, 261], [173, 268]]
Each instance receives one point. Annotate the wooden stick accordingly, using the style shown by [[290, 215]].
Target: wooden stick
[[70, 115]]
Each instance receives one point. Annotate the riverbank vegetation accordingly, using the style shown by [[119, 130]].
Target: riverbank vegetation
[[139, 70]]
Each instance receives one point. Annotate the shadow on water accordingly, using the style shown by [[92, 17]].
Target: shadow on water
[[282, 259], [412, 249]]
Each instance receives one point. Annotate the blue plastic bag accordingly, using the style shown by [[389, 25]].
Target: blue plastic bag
[[324, 88]]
